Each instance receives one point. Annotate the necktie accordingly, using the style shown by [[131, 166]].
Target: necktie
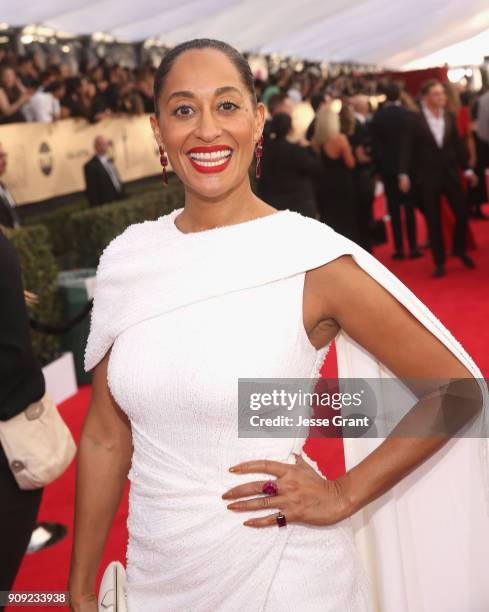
[[10, 204]]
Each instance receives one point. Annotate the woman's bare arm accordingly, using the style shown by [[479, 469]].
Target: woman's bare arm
[[6, 108], [104, 459], [370, 315]]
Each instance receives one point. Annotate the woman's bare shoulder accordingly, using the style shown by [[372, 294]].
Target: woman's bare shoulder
[[324, 282], [342, 267], [372, 316], [339, 138], [335, 144]]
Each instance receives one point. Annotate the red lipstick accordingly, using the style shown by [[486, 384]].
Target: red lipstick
[[209, 159]]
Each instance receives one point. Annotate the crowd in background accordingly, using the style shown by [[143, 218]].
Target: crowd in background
[[34, 87], [34, 90], [430, 153], [327, 169], [362, 130]]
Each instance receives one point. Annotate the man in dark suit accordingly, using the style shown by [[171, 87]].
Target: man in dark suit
[[103, 183], [386, 129], [362, 147], [432, 145], [9, 217]]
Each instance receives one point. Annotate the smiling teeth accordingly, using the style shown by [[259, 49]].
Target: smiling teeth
[[210, 159], [209, 164]]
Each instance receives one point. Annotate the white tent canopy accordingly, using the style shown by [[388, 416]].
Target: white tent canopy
[[391, 34]]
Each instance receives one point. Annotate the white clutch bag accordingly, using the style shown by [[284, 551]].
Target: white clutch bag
[[113, 592]]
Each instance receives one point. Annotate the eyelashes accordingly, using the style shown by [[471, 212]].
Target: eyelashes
[[227, 103]]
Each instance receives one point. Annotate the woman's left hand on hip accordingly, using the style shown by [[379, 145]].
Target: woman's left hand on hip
[[303, 496]]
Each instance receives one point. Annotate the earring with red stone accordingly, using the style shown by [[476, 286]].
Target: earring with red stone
[[259, 154], [164, 164]]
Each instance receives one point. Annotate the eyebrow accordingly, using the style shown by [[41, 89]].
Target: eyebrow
[[218, 92]]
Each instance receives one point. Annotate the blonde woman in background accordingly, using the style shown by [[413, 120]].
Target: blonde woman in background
[[347, 119], [336, 194]]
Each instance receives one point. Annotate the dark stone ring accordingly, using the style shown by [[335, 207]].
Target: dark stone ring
[[281, 520]]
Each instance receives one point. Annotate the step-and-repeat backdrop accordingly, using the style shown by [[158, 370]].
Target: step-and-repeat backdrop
[[46, 159]]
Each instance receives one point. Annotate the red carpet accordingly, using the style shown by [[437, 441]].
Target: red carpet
[[47, 570], [460, 300]]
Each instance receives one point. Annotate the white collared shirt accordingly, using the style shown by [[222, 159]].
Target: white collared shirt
[[42, 107], [112, 171], [436, 124], [7, 196], [9, 200]]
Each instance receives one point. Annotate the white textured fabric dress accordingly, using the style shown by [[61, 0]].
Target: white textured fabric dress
[[186, 316]]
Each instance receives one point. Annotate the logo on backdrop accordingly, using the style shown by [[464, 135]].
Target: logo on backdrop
[[46, 159]]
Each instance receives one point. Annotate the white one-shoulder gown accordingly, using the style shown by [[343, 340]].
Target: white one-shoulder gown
[[187, 315]]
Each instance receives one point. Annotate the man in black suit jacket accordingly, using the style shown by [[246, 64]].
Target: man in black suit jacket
[[362, 147], [103, 183], [386, 129], [432, 145], [9, 217]]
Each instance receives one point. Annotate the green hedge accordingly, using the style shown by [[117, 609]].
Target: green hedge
[[75, 236], [150, 183], [39, 275], [94, 228], [60, 228], [62, 231]]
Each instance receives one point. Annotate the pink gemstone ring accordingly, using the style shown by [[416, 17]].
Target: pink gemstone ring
[[270, 488]]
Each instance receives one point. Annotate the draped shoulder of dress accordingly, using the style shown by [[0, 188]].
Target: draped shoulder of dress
[[187, 315]]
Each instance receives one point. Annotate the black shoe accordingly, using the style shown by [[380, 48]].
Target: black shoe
[[44, 535], [415, 253], [467, 261], [438, 271], [398, 255]]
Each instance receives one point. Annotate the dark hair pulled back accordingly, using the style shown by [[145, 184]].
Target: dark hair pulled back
[[230, 52]]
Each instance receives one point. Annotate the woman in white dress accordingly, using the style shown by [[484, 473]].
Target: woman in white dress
[[224, 288]]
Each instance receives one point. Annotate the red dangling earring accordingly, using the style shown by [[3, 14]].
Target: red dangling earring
[[259, 153], [164, 163]]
